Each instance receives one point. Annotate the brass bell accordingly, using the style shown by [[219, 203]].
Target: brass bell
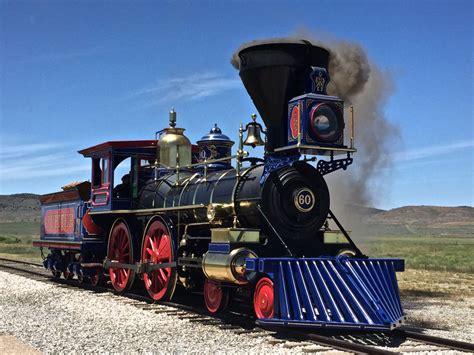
[[254, 130]]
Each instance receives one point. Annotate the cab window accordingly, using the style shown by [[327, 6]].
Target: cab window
[[122, 177], [105, 171], [100, 171]]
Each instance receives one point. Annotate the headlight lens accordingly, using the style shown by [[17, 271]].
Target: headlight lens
[[322, 123], [325, 123]]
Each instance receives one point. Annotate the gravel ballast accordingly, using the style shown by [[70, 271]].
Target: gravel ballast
[[57, 319]]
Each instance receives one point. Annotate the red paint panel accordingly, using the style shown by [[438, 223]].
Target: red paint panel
[[295, 122], [91, 227], [60, 221]]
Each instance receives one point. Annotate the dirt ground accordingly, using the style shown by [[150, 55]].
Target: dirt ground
[[441, 301], [12, 345]]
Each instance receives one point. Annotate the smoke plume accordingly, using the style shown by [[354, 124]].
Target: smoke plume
[[361, 83]]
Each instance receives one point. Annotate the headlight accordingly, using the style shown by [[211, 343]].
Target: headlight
[[326, 123]]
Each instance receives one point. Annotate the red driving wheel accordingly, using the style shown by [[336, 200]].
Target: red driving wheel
[[215, 298], [120, 250], [263, 298], [157, 248]]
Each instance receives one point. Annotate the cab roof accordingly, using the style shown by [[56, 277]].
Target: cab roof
[[118, 146]]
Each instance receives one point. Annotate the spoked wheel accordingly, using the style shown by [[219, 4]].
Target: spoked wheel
[[121, 250], [97, 278], [68, 275], [68, 258], [215, 297], [263, 298], [157, 248]]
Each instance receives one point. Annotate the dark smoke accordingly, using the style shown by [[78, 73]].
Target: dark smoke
[[361, 83]]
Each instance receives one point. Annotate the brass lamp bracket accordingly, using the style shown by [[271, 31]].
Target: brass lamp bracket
[[326, 167]]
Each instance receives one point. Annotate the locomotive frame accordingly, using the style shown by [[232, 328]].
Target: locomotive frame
[[183, 216]]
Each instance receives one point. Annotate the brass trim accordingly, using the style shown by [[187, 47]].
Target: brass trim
[[237, 183], [150, 210], [198, 185], [235, 235], [352, 138], [223, 267], [191, 178], [171, 186], [216, 183], [316, 147], [334, 237], [158, 186], [186, 184], [207, 162], [297, 202]]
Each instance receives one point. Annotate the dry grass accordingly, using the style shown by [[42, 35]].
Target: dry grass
[[438, 253], [436, 284]]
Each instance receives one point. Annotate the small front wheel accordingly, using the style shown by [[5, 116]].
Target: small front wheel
[[215, 297], [263, 298]]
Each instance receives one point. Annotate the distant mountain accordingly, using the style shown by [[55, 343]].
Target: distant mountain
[[417, 220], [19, 208], [425, 215]]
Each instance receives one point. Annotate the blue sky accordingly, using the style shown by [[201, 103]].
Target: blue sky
[[74, 74]]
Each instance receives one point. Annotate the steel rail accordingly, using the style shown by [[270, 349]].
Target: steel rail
[[31, 272], [338, 344], [434, 340], [347, 346], [21, 262]]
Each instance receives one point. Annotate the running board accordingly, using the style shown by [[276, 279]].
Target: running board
[[333, 292]]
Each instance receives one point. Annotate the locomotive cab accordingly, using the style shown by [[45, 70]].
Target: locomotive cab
[[119, 170]]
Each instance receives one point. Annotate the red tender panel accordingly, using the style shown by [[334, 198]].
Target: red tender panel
[[60, 221]]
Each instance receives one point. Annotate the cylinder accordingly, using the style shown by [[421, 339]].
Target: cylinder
[[230, 267]]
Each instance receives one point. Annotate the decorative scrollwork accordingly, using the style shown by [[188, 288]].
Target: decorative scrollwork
[[326, 167], [277, 162]]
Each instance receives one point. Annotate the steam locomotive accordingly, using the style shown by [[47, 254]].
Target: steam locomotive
[[171, 214]]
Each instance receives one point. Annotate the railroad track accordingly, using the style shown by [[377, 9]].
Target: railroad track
[[398, 341]]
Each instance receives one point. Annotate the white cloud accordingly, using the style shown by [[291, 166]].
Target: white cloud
[[18, 150], [431, 151], [41, 160], [188, 88]]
